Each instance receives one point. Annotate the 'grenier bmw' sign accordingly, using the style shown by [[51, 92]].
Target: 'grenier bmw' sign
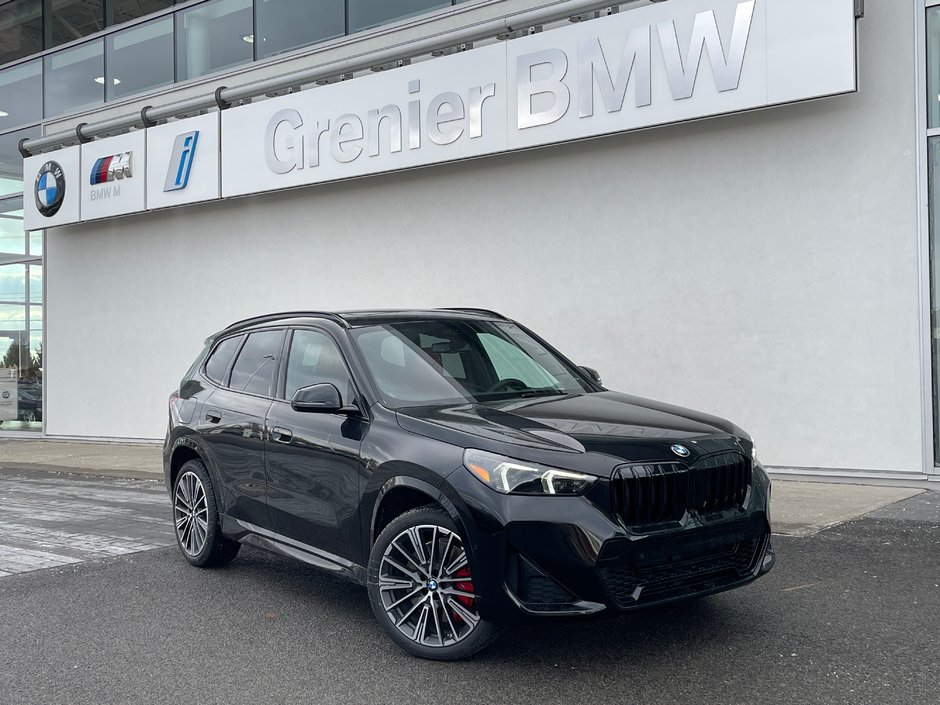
[[656, 65]]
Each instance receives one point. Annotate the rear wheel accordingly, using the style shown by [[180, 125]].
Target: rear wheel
[[196, 519], [421, 588]]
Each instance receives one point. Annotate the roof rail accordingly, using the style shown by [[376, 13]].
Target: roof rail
[[269, 317], [476, 310]]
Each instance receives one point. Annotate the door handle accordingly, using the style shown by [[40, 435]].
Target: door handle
[[213, 416], [282, 435]]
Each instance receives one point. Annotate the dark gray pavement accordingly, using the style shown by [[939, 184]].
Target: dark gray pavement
[[849, 615]]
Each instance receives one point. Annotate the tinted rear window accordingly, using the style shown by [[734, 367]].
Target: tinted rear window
[[220, 358], [257, 363]]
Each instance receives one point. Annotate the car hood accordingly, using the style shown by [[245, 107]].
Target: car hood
[[621, 426]]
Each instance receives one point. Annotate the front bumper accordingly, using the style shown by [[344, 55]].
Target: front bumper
[[566, 556]]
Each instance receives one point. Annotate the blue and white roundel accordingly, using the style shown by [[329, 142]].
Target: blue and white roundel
[[50, 189], [680, 450]]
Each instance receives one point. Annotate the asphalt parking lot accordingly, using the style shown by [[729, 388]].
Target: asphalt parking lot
[[849, 615]]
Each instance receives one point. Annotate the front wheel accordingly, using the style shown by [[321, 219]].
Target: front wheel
[[421, 588], [196, 519]]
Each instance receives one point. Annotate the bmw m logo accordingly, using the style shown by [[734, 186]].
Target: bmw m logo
[[49, 189], [680, 450], [117, 166]]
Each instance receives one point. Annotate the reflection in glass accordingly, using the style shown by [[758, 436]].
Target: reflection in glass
[[369, 13], [73, 19], [21, 94], [283, 25], [123, 10], [933, 67], [20, 29], [20, 353], [35, 243], [139, 58], [213, 36], [12, 237], [933, 185], [11, 161], [35, 283], [74, 78]]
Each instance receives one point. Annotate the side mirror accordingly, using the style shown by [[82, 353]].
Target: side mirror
[[323, 398], [592, 373]]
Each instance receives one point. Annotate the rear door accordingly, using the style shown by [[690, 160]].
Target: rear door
[[313, 459], [231, 427]]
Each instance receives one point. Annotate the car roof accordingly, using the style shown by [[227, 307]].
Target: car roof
[[353, 319]]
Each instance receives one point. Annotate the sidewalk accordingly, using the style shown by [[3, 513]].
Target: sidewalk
[[798, 508]]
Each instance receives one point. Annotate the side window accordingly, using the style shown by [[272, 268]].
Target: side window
[[219, 360], [257, 362], [315, 358], [512, 362]]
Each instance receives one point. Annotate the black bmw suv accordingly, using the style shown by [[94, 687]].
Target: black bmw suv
[[460, 468]]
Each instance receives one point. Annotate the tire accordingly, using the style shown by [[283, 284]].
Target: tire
[[196, 519], [424, 600]]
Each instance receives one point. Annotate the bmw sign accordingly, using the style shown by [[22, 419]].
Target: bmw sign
[[49, 189]]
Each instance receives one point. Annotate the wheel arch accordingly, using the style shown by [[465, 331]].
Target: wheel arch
[[402, 492], [185, 450]]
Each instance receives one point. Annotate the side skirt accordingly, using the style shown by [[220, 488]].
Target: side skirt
[[256, 536]]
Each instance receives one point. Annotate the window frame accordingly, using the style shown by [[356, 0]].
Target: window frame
[[281, 387], [277, 372], [223, 383]]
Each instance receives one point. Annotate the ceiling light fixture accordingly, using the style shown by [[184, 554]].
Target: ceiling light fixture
[[4, 113], [250, 38], [100, 79]]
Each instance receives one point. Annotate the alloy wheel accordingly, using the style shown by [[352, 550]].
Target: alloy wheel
[[426, 587], [191, 514]]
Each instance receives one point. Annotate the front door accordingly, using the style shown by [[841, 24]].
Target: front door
[[313, 459]]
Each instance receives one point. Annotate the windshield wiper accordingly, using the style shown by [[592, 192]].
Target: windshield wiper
[[542, 392]]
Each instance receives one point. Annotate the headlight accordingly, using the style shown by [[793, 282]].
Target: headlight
[[517, 477]]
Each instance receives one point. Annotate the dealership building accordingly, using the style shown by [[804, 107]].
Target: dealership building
[[722, 204]]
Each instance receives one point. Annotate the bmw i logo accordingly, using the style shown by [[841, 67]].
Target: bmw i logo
[[680, 450], [50, 189]]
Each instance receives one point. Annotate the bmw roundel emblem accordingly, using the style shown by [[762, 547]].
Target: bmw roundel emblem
[[50, 189], [680, 450]]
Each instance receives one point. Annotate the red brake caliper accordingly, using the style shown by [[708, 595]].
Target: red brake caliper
[[463, 586]]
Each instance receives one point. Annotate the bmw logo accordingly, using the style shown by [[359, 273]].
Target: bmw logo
[[680, 450], [50, 189]]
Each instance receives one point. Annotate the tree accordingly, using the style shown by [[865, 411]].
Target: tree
[[16, 355]]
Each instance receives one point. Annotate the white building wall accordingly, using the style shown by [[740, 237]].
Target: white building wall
[[762, 267]]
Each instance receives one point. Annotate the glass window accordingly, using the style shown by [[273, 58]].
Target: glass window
[[139, 58], [512, 362], [34, 276], [218, 362], [73, 19], [933, 181], [315, 358], [123, 10], [213, 36], [446, 362], [369, 13], [20, 354], [12, 237], [74, 79], [20, 29], [256, 365], [933, 67], [35, 242], [21, 94], [283, 25], [11, 161]]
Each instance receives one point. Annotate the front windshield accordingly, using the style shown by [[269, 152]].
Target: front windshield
[[445, 362]]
